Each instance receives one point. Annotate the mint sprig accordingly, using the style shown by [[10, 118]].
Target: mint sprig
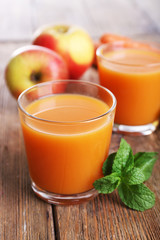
[[124, 159], [126, 172], [107, 165], [133, 177], [108, 183], [138, 197], [145, 161]]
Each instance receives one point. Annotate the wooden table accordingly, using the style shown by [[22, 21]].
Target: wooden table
[[22, 214]]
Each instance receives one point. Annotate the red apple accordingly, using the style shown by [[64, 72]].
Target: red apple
[[72, 43], [31, 65]]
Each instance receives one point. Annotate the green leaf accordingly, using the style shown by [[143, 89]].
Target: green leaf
[[124, 159], [133, 177], [107, 165], [107, 184], [145, 161], [126, 172], [137, 197]]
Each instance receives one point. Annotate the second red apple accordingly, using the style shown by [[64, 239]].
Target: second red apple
[[72, 43]]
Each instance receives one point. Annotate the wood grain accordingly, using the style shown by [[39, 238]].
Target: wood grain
[[106, 217], [22, 215], [18, 21]]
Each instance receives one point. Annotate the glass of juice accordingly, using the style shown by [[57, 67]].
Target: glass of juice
[[133, 75], [67, 127]]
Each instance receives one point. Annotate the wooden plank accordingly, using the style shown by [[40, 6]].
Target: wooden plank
[[22, 215], [118, 16], [21, 19], [15, 20], [106, 217], [151, 10]]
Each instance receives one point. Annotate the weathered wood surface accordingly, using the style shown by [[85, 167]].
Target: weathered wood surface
[[106, 217], [20, 19], [24, 216]]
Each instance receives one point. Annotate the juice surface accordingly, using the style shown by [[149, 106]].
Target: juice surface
[[66, 158], [135, 83]]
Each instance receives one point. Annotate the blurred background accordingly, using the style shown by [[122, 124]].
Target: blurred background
[[20, 18]]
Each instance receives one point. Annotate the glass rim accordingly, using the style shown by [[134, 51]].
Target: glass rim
[[101, 47], [66, 122]]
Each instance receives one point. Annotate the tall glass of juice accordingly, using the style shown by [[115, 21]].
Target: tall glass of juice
[[67, 127], [133, 75]]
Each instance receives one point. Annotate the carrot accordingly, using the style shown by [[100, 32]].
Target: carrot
[[108, 37], [125, 42]]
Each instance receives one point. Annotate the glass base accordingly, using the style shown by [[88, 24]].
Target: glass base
[[136, 130], [64, 199]]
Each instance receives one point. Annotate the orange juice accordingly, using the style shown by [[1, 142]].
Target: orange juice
[[66, 142], [134, 78]]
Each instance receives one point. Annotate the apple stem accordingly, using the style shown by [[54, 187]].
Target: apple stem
[[62, 29]]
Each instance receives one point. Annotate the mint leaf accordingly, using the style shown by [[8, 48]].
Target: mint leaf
[[133, 177], [137, 197], [107, 165], [124, 159], [126, 172], [145, 161], [107, 184]]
